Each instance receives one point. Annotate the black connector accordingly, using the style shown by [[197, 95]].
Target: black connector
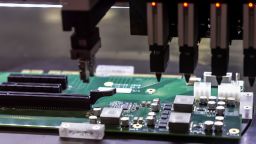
[[31, 87], [28, 78], [28, 100]]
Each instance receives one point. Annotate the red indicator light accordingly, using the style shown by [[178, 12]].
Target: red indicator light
[[217, 5], [153, 4], [250, 5], [185, 4]]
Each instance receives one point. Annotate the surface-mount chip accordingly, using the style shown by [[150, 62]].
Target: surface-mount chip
[[111, 116], [183, 103], [179, 122]]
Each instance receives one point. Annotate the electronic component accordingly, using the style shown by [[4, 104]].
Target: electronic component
[[93, 119], [153, 114], [221, 103], [31, 87], [135, 120], [220, 110], [140, 120], [155, 107], [124, 121], [208, 77], [203, 100], [202, 89], [219, 118], [231, 101], [96, 94], [246, 105], [212, 98], [211, 105], [29, 78], [81, 131], [111, 116], [218, 125], [45, 100], [96, 111], [150, 120], [229, 90], [183, 103], [165, 112], [179, 122], [208, 125]]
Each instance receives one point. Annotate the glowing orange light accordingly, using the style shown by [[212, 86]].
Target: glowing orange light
[[250, 5], [153, 4], [185, 4], [217, 5]]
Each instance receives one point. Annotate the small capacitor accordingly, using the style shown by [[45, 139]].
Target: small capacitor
[[208, 125], [148, 103], [140, 120], [221, 99], [150, 120], [203, 100], [231, 101], [211, 105], [152, 114], [96, 111], [221, 103], [212, 98], [124, 121], [219, 118], [156, 100], [155, 107], [93, 119], [218, 126], [143, 103], [135, 120], [220, 110]]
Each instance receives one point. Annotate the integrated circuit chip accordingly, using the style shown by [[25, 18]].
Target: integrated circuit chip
[[183, 103], [179, 122], [111, 116]]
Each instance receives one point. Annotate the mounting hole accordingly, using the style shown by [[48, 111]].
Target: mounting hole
[[234, 131], [150, 91]]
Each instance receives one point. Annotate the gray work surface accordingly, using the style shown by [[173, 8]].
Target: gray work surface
[[32, 38]]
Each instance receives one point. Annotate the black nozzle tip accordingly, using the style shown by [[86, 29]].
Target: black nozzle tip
[[251, 81], [219, 79], [158, 76], [187, 77]]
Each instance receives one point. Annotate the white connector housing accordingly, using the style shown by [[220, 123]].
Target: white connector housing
[[229, 90], [82, 131], [202, 89]]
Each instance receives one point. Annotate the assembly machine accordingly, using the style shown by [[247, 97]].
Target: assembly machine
[[141, 105], [161, 20]]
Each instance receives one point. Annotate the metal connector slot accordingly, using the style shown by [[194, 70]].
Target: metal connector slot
[[28, 100], [28, 78], [31, 87]]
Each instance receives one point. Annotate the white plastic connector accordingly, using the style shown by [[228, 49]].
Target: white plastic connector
[[229, 90], [82, 130], [202, 89], [208, 77]]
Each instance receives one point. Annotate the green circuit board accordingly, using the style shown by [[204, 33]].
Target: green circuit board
[[139, 86]]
